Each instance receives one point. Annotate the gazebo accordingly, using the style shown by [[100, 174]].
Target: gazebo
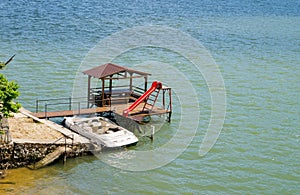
[[108, 92], [130, 99]]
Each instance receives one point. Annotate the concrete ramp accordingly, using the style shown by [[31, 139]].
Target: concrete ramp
[[50, 158]]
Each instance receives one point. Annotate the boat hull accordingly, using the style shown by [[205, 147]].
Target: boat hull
[[101, 131]]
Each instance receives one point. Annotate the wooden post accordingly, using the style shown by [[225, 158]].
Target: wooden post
[[37, 106], [70, 103], [170, 96], [152, 132], [146, 81], [65, 155], [102, 94], [164, 91], [109, 97], [89, 91], [110, 84], [130, 82]]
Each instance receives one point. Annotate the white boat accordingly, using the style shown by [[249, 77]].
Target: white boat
[[101, 131]]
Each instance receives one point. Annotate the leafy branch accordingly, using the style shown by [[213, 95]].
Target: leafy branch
[[8, 92]]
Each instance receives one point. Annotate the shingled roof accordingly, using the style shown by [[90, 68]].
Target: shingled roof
[[110, 69]]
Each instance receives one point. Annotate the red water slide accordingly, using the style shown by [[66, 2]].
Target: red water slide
[[155, 85]]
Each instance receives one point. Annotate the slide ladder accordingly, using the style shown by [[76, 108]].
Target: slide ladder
[[144, 98], [151, 100]]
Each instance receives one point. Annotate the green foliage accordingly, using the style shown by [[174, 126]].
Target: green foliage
[[8, 92]]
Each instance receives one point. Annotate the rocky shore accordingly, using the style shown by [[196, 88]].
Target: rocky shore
[[27, 140], [15, 155]]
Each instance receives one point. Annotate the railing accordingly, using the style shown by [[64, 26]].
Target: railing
[[115, 95], [56, 104], [60, 101], [68, 101], [111, 97], [65, 137], [137, 92]]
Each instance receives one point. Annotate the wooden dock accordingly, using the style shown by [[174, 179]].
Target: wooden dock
[[116, 94], [136, 115]]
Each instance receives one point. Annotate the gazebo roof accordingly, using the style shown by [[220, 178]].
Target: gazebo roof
[[110, 69]]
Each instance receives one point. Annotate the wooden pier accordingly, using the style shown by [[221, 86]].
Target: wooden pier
[[136, 115], [126, 100]]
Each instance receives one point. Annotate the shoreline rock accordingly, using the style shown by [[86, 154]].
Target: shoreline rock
[[29, 140], [16, 155]]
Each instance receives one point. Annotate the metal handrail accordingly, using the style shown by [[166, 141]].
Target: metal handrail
[[61, 103], [69, 99]]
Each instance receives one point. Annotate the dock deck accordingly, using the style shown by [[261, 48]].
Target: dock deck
[[63, 113], [117, 93], [136, 114]]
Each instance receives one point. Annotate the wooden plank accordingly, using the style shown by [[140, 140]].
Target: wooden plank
[[70, 112], [50, 157], [117, 108]]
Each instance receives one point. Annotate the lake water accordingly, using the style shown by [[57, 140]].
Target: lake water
[[256, 46]]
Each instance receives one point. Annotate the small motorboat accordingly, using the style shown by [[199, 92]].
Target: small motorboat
[[101, 131]]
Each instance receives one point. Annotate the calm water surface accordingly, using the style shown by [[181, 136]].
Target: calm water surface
[[256, 45]]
